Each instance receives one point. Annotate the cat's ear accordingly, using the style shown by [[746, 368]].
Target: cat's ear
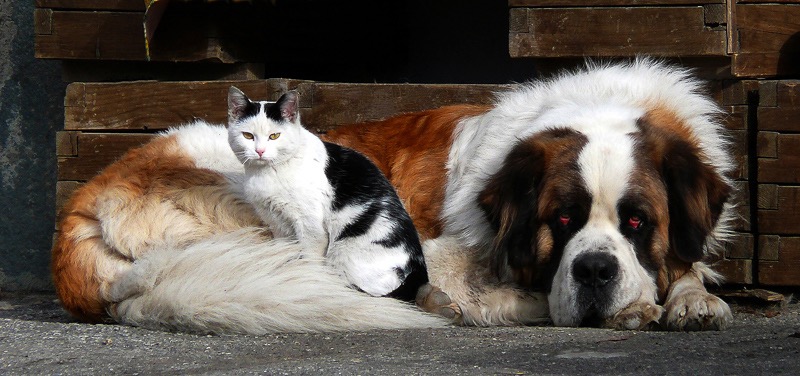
[[237, 104], [288, 105]]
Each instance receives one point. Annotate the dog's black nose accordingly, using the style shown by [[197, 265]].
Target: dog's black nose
[[595, 269]]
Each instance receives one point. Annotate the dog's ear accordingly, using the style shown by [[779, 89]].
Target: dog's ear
[[509, 201], [696, 192]]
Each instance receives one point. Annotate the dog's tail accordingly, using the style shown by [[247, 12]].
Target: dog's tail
[[240, 283]]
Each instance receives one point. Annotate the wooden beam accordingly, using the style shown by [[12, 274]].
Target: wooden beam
[[608, 32], [95, 152], [150, 105], [767, 42], [604, 3], [129, 5]]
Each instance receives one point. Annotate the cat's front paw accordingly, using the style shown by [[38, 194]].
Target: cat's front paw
[[433, 300]]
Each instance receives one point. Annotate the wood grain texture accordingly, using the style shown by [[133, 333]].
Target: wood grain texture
[[338, 104], [130, 5], [149, 105], [66, 144], [785, 115], [767, 40], [735, 270], [193, 32], [785, 271], [785, 219], [158, 105], [92, 35], [605, 3], [625, 31], [785, 168], [96, 151]]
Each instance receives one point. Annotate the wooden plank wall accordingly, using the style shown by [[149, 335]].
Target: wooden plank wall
[[113, 30], [766, 38], [778, 151]]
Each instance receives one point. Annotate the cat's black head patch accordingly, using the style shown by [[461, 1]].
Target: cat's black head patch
[[239, 106], [285, 109]]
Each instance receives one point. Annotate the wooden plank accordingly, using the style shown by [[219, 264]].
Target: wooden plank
[[157, 105], [92, 35], [192, 33], [767, 28], [769, 247], [736, 118], [604, 3], [786, 271], [66, 144], [767, 1], [667, 31], [95, 152], [150, 105], [785, 168], [715, 14], [735, 92], [768, 196], [735, 271], [767, 145], [785, 219], [337, 104], [741, 246], [767, 40], [131, 5], [43, 21], [784, 116]]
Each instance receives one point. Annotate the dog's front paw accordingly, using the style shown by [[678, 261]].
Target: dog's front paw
[[697, 310], [433, 300], [637, 316]]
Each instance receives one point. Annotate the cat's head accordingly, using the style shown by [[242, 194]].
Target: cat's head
[[263, 132]]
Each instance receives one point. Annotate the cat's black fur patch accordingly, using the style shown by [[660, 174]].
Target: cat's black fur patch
[[251, 109], [273, 111], [357, 181]]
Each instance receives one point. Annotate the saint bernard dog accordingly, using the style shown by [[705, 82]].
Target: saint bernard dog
[[589, 199]]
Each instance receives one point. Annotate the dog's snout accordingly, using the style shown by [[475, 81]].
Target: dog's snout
[[595, 269]]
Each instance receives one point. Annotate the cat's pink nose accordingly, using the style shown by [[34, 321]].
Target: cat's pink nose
[[260, 152]]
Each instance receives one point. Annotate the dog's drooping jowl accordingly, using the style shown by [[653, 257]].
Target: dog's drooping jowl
[[589, 199]]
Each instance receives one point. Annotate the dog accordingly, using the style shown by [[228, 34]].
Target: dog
[[589, 199]]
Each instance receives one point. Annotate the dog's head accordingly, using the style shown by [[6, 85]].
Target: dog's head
[[600, 216]]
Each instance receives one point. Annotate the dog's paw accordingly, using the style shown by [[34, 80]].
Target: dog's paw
[[637, 316], [433, 300], [697, 310]]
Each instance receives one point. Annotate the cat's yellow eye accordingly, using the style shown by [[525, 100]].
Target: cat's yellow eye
[[274, 136], [247, 135]]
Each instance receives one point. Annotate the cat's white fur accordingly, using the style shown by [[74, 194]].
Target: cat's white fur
[[285, 182]]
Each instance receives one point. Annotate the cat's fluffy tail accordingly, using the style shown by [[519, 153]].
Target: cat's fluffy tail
[[239, 283]]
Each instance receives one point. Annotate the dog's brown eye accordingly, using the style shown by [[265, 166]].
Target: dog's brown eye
[[247, 135], [635, 222], [564, 219]]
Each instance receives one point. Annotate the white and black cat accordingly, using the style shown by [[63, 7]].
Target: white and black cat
[[330, 198]]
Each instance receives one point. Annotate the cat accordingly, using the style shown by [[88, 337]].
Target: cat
[[329, 198]]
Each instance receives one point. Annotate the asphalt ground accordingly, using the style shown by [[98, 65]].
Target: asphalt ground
[[38, 338]]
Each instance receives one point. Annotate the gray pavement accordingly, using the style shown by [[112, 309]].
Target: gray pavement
[[38, 338]]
